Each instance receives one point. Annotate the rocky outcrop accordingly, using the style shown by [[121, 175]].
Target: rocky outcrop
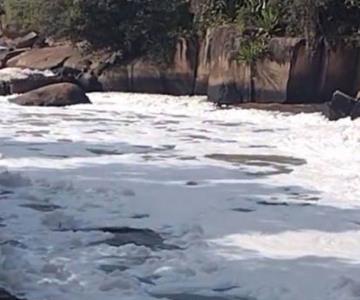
[[145, 76], [271, 74], [180, 75], [44, 58], [289, 73], [61, 94], [226, 80]]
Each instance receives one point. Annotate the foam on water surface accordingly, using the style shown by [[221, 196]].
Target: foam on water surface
[[159, 197]]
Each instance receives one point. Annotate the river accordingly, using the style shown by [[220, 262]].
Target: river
[[160, 197]]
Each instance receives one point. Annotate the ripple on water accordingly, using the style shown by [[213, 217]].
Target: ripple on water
[[186, 296], [279, 164]]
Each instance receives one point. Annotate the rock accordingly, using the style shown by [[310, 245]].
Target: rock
[[179, 76], [305, 74], [341, 106], [43, 58], [78, 62], [272, 73], [7, 54], [26, 41], [355, 114], [229, 81], [339, 69], [203, 66], [146, 77], [115, 79], [88, 82], [17, 80], [61, 94]]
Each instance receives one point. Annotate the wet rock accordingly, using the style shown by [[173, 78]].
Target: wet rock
[[338, 70], [355, 114], [61, 94], [138, 237], [115, 78], [146, 77], [341, 106], [88, 82], [125, 235], [305, 73]]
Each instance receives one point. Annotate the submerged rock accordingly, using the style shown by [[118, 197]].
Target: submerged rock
[[61, 94]]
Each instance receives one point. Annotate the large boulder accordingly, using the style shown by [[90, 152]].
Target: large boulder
[[7, 54], [61, 94], [18, 81], [341, 106], [43, 58]]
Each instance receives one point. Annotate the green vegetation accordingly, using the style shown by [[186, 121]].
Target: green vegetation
[[132, 27], [150, 27]]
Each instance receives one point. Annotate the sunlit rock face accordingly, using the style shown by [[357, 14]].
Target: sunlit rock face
[[176, 77], [288, 73]]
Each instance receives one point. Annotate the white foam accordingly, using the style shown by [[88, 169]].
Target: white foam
[[8, 74], [243, 228]]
